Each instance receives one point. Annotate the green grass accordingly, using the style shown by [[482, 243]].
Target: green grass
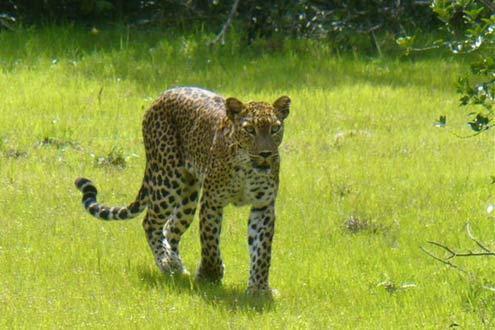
[[360, 144]]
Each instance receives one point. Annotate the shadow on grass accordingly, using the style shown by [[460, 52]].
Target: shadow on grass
[[160, 61], [230, 298]]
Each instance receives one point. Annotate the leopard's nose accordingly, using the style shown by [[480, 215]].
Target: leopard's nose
[[265, 154]]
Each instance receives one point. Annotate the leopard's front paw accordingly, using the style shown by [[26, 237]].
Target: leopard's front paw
[[263, 292], [172, 266], [209, 273]]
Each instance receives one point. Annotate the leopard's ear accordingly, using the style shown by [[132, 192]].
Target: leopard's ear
[[282, 107], [233, 107]]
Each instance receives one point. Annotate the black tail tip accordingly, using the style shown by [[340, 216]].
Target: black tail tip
[[81, 182]]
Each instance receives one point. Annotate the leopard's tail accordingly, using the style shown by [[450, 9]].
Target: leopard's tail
[[110, 213]]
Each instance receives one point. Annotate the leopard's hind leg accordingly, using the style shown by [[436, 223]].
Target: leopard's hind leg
[[173, 191], [173, 200]]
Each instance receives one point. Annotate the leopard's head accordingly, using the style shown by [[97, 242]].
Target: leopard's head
[[258, 128]]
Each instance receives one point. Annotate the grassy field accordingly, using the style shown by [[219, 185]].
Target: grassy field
[[366, 180]]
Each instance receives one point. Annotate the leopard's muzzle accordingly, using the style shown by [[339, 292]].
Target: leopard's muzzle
[[263, 162]]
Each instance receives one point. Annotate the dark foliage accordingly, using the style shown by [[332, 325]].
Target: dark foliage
[[298, 18]]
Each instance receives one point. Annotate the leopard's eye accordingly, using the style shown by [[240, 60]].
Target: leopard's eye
[[275, 128], [250, 129]]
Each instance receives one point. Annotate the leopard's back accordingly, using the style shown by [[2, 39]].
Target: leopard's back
[[193, 116]]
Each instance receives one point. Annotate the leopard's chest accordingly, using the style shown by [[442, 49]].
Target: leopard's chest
[[249, 187]]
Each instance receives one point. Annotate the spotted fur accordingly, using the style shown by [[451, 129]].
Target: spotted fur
[[197, 140]]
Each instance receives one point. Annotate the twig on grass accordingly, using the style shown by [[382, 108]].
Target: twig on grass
[[448, 263], [471, 236], [452, 254]]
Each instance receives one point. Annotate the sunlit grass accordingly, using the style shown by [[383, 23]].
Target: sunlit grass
[[360, 146]]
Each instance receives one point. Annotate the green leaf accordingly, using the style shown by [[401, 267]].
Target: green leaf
[[474, 13], [480, 123]]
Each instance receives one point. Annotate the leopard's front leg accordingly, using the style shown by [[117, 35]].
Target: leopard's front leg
[[260, 236], [211, 214]]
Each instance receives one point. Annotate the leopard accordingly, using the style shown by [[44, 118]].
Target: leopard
[[209, 151]]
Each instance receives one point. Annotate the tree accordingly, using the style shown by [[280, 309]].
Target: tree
[[469, 28]]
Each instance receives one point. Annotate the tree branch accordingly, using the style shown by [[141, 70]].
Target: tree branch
[[452, 254], [377, 45], [471, 236], [448, 263], [221, 36]]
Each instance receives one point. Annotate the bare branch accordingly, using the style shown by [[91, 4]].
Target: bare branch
[[471, 236], [423, 49], [448, 263], [377, 45], [446, 248], [451, 253], [221, 36]]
